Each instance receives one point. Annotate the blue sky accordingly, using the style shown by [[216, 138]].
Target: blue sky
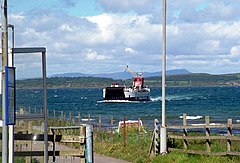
[[101, 36], [71, 7]]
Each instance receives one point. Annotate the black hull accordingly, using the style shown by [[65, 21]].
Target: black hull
[[117, 94], [114, 93]]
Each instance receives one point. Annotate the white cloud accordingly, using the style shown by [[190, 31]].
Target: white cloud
[[66, 27], [235, 51], [200, 36], [106, 26], [17, 18], [209, 46], [130, 50], [93, 55]]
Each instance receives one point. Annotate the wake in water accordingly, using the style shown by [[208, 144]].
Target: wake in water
[[171, 98], [119, 101], [159, 98], [192, 117]]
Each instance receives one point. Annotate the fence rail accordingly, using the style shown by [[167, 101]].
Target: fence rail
[[185, 130]]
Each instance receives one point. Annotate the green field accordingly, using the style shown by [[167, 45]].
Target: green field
[[138, 150]]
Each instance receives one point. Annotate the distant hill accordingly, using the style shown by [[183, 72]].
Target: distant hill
[[191, 79], [122, 75]]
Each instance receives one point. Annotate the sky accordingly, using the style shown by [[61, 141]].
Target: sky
[[103, 36]]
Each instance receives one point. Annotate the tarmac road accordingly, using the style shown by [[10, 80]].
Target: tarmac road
[[104, 159]]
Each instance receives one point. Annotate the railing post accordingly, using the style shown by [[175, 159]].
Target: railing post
[[62, 115], [54, 116], [99, 123], [89, 144], [124, 130], [207, 134], [79, 118], [53, 145], [139, 132], [229, 143], [185, 143], [70, 117], [156, 137], [111, 126], [89, 119]]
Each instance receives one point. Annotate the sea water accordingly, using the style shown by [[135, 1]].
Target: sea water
[[220, 103]]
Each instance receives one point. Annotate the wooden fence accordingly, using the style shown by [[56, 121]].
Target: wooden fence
[[70, 141], [182, 133], [185, 136]]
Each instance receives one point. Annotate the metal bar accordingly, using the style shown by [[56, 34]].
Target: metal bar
[[67, 127], [4, 63], [89, 144], [45, 106], [163, 144], [30, 116], [35, 137], [30, 50], [74, 153]]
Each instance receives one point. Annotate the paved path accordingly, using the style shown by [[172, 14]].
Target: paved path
[[97, 157], [104, 159]]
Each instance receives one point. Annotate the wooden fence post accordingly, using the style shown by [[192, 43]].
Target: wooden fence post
[[53, 145], [111, 127], [139, 132], [54, 115], [62, 116], [207, 134], [79, 118], [124, 131], [229, 143], [70, 117], [99, 123], [89, 119], [185, 143]]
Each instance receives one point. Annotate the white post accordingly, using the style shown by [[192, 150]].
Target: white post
[[11, 143], [4, 63], [89, 143], [163, 130]]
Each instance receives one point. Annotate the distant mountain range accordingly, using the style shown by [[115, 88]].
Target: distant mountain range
[[123, 75]]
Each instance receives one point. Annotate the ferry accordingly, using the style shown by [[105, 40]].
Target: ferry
[[136, 92]]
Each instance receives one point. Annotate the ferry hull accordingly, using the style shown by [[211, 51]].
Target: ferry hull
[[119, 93]]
